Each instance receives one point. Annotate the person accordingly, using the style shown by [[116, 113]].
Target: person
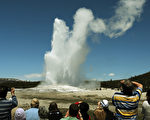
[[72, 113], [20, 114], [83, 111], [43, 113], [109, 115], [99, 113], [146, 107], [32, 113], [54, 113], [126, 101], [7, 105]]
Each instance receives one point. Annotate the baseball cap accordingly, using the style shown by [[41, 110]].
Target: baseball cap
[[104, 103]]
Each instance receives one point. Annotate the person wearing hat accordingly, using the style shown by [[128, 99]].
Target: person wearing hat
[[7, 105], [32, 113], [102, 111], [20, 114]]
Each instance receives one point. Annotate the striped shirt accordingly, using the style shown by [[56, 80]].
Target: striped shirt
[[6, 106], [126, 106]]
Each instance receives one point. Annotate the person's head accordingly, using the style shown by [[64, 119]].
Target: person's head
[[3, 92], [148, 96], [105, 104], [84, 107], [20, 114], [34, 103], [127, 87], [99, 114], [53, 106], [42, 112], [73, 110]]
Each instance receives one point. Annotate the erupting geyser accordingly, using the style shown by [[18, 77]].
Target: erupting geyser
[[69, 47]]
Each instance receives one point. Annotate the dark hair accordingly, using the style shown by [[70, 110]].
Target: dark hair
[[73, 110], [53, 106], [148, 96], [42, 112], [127, 87], [54, 113], [84, 107], [3, 92]]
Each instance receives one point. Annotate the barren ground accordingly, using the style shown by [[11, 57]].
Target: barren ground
[[64, 99]]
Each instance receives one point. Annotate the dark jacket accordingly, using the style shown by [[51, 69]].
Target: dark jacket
[[6, 106], [54, 115]]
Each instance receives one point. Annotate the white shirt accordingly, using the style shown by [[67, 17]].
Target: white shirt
[[146, 110]]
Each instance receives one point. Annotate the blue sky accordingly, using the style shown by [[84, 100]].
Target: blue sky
[[26, 29]]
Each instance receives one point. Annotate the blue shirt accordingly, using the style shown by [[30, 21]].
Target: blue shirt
[[32, 114]]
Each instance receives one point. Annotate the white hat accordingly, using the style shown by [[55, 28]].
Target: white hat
[[20, 114], [104, 103]]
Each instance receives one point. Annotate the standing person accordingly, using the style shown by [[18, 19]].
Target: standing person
[[146, 107], [32, 113], [54, 113], [126, 101], [7, 105], [72, 113]]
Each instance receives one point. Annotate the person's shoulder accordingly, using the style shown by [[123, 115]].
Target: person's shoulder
[[118, 93], [31, 109], [139, 89], [64, 118], [27, 110], [145, 103], [4, 100]]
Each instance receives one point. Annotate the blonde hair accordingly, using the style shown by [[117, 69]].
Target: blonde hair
[[99, 114], [35, 103]]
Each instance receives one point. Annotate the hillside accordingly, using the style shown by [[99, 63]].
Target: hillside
[[12, 82], [143, 79]]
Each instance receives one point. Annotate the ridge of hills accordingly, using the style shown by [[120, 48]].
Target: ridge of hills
[[144, 79]]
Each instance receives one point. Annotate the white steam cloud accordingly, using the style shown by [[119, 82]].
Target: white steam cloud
[[69, 48]]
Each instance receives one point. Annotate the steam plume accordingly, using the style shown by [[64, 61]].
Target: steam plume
[[69, 48]]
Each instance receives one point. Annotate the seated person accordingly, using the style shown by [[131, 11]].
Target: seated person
[[32, 113], [54, 113], [83, 107], [72, 113], [43, 112], [20, 114], [99, 113], [109, 114]]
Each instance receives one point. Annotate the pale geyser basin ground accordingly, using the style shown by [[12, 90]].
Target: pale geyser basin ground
[[64, 95]]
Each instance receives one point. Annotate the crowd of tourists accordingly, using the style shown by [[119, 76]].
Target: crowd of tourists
[[125, 102]]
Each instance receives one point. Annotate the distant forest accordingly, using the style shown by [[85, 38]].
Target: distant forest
[[143, 79], [12, 82]]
